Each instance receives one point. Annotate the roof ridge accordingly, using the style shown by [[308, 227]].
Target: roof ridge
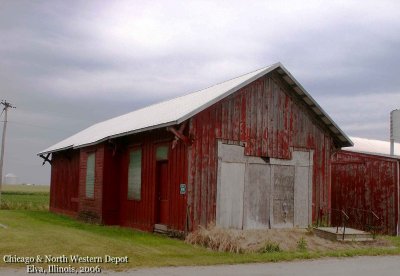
[[200, 90], [176, 110], [182, 96]]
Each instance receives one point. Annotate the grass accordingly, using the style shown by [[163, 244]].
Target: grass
[[31, 233], [270, 247], [23, 197], [216, 239], [26, 188], [38, 232]]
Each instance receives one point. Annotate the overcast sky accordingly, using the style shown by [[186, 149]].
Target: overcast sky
[[68, 64]]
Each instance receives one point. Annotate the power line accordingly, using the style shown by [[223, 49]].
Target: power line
[[6, 105], [25, 124]]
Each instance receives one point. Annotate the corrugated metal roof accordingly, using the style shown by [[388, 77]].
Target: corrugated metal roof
[[177, 110], [375, 147]]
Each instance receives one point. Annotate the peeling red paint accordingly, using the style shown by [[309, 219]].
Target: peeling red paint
[[366, 182], [267, 117], [142, 214], [270, 122]]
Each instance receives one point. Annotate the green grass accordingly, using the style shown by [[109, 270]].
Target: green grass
[[23, 197], [26, 188], [31, 233], [35, 232]]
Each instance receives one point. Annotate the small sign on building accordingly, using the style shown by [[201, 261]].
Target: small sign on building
[[182, 189]]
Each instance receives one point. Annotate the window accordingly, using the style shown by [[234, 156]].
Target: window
[[135, 174], [90, 174], [162, 153]]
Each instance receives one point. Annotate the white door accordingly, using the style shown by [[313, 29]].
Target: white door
[[230, 195]]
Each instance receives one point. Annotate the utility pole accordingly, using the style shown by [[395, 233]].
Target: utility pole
[[6, 105]]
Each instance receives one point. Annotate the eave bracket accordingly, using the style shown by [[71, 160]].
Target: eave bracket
[[45, 158], [179, 135]]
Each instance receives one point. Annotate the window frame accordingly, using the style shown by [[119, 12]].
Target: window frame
[[134, 196], [87, 195], [159, 145]]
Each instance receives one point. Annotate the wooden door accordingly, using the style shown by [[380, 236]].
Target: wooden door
[[162, 193], [257, 196], [283, 195], [230, 196]]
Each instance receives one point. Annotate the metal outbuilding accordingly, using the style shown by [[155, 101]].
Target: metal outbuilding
[[365, 184], [251, 152]]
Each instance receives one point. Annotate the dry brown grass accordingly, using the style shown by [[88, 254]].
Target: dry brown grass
[[270, 240], [218, 239]]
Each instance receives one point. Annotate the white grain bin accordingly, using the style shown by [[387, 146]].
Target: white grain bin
[[394, 129], [11, 179]]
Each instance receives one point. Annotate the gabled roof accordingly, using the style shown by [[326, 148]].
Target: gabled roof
[[374, 147], [177, 110]]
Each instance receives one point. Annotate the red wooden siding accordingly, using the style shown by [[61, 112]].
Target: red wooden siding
[[64, 182], [91, 207], [366, 182], [162, 193], [111, 184], [110, 204], [267, 117], [141, 214]]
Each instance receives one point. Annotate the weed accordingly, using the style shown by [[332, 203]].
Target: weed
[[270, 247], [302, 244], [310, 230]]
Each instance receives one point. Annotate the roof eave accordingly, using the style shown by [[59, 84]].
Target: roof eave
[[342, 139], [56, 150], [111, 137], [397, 157]]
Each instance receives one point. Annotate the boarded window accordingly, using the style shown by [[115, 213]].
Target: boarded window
[[90, 174], [162, 153], [135, 174]]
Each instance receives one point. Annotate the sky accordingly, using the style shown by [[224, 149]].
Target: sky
[[66, 65]]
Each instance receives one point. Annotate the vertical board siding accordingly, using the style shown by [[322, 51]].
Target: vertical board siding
[[111, 184], [92, 207], [270, 121], [64, 182], [264, 116], [366, 182], [141, 213]]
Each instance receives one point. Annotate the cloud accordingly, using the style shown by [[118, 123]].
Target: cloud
[[67, 65], [363, 115]]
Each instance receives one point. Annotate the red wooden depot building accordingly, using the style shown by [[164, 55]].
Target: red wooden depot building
[[252, 152], [365, 183]]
